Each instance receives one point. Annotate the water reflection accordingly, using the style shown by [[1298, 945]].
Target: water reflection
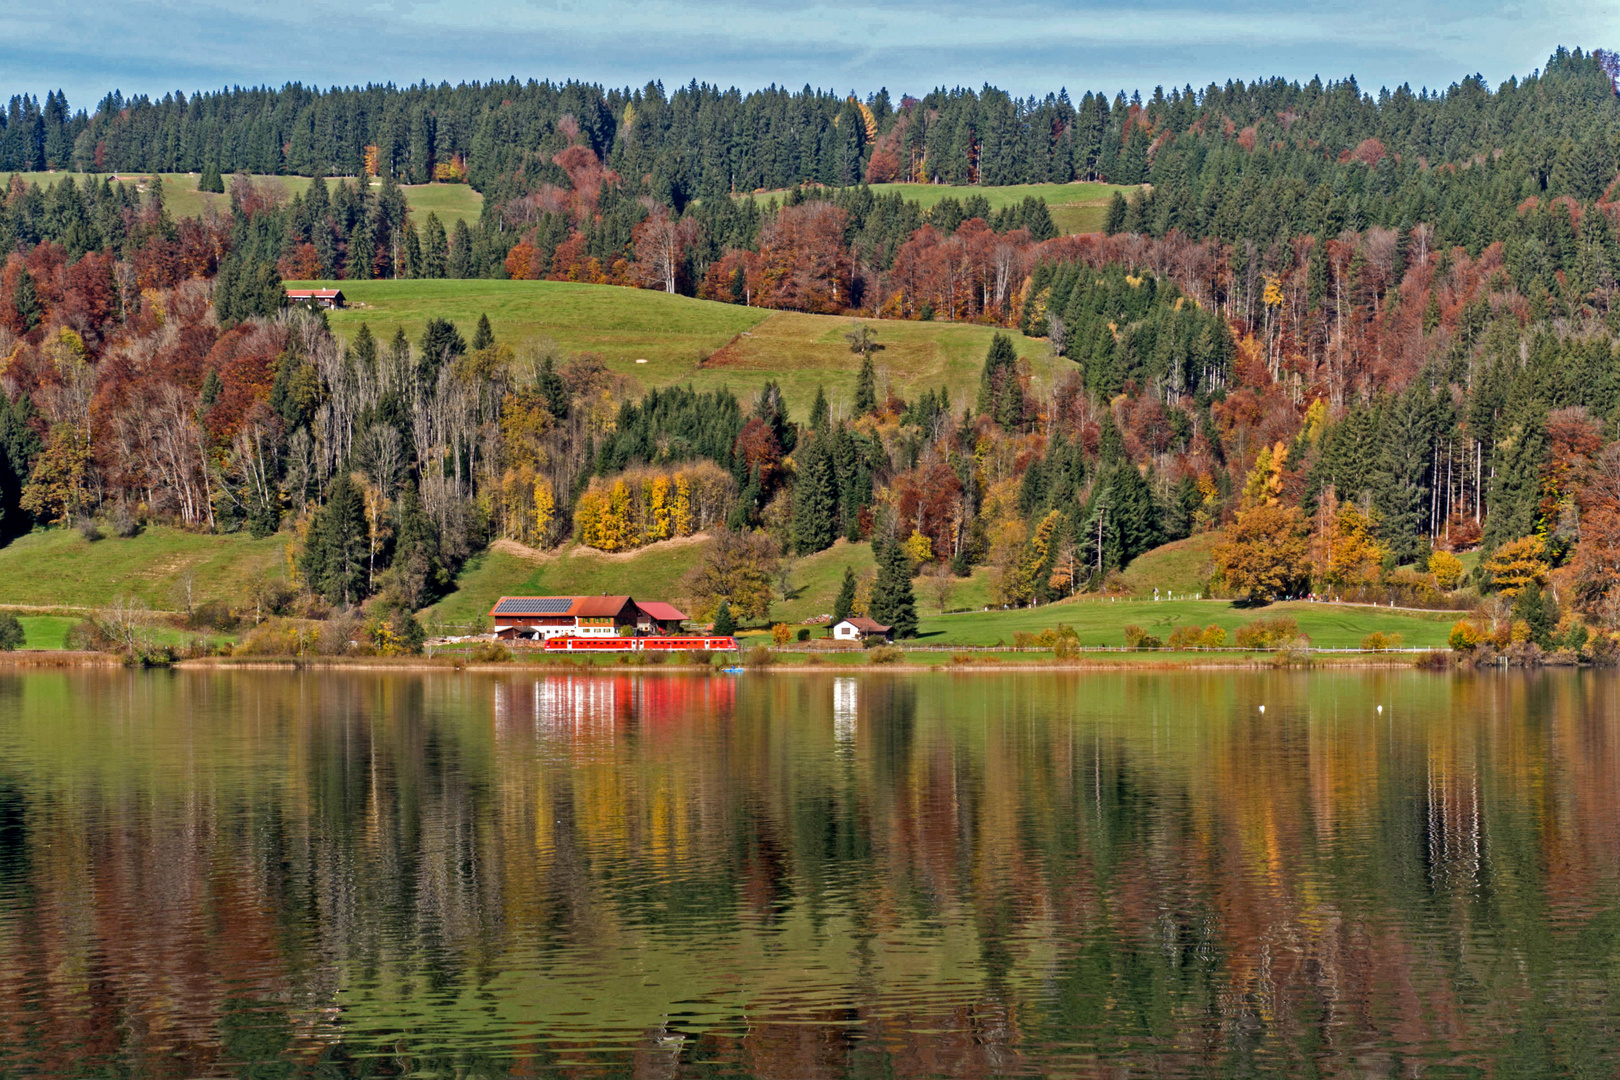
[[805, 875]]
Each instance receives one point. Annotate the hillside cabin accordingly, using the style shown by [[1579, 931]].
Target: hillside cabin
[[860, 629], [322, 298], [539, 618]]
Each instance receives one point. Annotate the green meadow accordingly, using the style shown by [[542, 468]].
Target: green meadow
[[1080, 207], [450, 201], [660, 339], [655, 573], [59, 568]]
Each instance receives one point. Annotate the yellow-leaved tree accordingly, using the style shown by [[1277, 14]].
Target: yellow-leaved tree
[[1447, 570], [1517, 564], [1264, 481], [1355, 557]]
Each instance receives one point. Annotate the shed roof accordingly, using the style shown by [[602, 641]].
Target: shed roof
[[867, 626], [314, 294], [661, 611]]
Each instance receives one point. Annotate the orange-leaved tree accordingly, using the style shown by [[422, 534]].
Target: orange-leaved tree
[[1266, 553]]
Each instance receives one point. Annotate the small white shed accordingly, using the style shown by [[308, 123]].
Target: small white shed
[[859, 628]]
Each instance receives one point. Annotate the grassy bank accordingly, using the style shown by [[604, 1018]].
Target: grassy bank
[[48, 575], [59, 568]]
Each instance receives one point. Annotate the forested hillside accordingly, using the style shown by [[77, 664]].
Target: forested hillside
[[1357, 333]]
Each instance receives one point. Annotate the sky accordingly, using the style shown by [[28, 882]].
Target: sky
[[90, 47]]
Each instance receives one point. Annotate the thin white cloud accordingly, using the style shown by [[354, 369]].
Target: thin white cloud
[[155, 45]]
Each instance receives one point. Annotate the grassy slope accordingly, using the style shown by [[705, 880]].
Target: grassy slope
[[1076, 208], [684, 340], [45, 631], [180, 195], [1100, 622], [1079, 207], [1181, 568], [60, 567], [655, 573]]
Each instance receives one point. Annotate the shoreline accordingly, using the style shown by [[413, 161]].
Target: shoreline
[[48, 660]]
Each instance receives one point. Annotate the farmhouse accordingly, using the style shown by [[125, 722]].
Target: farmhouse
[[860, 628], [536, 618], [325, 298]]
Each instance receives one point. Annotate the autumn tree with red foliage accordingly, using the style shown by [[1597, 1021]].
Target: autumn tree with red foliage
[[805, 265]]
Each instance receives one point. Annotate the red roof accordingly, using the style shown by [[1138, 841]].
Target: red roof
[[868, 626], [599, 607], [585, 607], [314, 294]]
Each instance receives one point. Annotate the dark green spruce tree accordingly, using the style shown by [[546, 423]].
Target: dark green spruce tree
[[815, 498], [483, 336], [846, 597], [725, 623], [893, 602], [335, 552]]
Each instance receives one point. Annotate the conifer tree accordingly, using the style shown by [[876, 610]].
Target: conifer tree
[[863, 342], [846, 597], [461, 264], [725, 623], [815, 499], [893, 603], [866, 387], [440, 341], [416, 567], [335, 552], [483, 336], [819, 411], [1115, 220], [413, 251], [435, 249], [1001, 393]]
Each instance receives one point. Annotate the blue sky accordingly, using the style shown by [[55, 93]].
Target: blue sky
[[151, 46]]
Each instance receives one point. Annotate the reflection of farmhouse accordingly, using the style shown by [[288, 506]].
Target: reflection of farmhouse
[[537, 618], [325, 298]]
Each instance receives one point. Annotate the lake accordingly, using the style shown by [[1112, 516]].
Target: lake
[[285, 874]]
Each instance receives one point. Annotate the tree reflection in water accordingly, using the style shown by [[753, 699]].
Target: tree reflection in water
[[807, 875]]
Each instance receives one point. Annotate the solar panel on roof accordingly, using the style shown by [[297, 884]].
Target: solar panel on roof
[[534, 605]]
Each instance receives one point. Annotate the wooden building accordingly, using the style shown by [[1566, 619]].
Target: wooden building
[[324, 298]]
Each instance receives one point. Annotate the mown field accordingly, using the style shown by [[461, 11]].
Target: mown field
[[1079, 207], [450, 201], [682, 340], [59, 568]]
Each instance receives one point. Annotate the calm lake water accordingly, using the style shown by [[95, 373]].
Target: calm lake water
[[795, 875]]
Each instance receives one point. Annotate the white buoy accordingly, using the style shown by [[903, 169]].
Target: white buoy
[[1380, 710], [1262, 708]]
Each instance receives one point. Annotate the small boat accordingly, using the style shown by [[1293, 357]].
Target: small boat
[[733, 670]]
